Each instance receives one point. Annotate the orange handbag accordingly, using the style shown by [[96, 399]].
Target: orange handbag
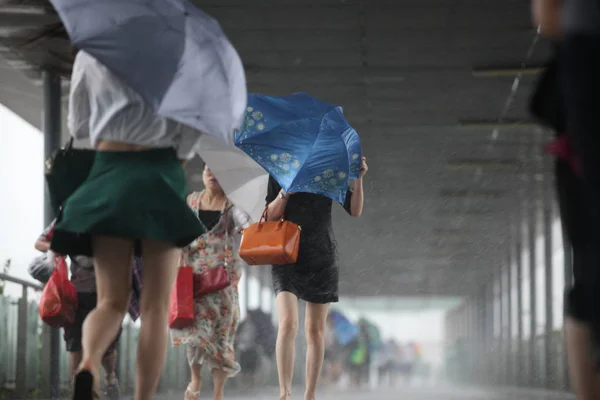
[[270, 242]]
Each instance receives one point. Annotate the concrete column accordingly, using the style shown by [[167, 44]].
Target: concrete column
[[517, 246], [246, 279], [510, 361], [550, 359], [533, 195], [268, 301], [501, 370], [52, 137]]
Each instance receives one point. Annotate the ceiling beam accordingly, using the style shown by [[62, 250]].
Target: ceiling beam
[[491, 72], [497, 123]]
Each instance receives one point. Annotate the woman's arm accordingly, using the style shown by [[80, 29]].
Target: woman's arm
[[357, 198], [547, 17], [276, 200], [276, 208]]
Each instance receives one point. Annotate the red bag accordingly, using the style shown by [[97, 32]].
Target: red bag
[[59, 299], [211, 281], [181, 308]]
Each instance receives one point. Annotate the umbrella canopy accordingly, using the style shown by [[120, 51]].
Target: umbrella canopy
[[304, 143], [345, 331], [242, 179], [174, 55], [375, 339]]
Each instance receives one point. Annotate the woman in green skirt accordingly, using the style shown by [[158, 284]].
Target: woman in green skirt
[[135, 192]]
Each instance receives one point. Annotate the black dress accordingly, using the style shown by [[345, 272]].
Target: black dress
[[314, 277]]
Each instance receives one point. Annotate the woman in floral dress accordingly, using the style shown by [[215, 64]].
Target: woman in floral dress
[[210, 339]]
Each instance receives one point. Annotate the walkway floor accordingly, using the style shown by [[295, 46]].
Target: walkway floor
[[446, 393], [429, 393]]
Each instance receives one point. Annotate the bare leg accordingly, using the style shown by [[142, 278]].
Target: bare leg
[[193, 390], [160, 270], [109, 363], [74, 361], [582, 366], [112, 265], [219, 378], [287, 307], [316, 316]]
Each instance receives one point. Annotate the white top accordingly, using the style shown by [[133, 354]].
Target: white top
[[102, 107]]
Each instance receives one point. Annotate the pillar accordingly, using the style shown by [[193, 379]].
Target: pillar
[[246, 289], [510, 361], [550, 359], [517, 247], [532, 198], [52, 115], [500, 368]]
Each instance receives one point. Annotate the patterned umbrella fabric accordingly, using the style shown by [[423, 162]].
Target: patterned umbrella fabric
[[173, 54], [304, 143]]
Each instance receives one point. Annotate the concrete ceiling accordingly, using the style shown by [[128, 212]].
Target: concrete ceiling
[[440, 188]]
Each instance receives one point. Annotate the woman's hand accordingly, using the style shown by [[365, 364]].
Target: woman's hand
[[42, 245], [276, 208], [284, 195], [357, 201], [364, 168]]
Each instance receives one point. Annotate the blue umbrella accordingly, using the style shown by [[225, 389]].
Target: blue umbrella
[[174, 55], [304, 143], [345, 331]]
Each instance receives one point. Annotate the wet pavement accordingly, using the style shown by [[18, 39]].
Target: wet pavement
[[429, 393], [441, 392]]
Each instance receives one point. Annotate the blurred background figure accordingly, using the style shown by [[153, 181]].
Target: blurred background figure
[[359, 359], [333, 366], [387, 360], [255, 346]]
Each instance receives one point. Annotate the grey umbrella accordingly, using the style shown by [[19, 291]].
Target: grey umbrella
[[173, 54]]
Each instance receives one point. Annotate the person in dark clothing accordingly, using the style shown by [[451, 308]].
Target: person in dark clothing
[[313, 278], [575, 24]]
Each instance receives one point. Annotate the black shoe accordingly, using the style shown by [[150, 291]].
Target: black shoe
[[83, 388]]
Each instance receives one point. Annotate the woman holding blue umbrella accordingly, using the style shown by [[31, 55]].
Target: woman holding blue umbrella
[[313, 157], [314, 278]]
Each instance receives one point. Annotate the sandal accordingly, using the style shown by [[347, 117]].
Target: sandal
[[189, 395], [83, 386]]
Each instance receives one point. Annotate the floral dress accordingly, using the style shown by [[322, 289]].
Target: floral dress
[[211, 338]]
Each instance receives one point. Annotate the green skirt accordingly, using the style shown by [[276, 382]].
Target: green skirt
[[135, 195]]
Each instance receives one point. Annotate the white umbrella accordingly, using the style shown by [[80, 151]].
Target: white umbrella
[[242, 179]]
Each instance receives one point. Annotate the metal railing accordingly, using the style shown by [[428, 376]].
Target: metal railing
[[25, 364], [16, 353]]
